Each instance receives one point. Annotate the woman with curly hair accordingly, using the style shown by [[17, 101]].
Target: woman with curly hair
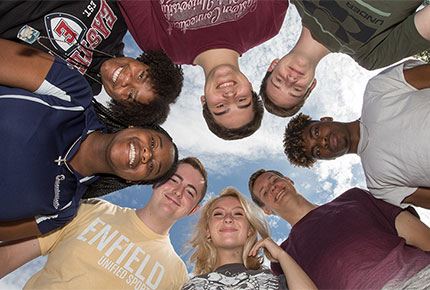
[[54, 146], [226, 248]]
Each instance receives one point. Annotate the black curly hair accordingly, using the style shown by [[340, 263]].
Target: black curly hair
[[294, 145], [166, 78]]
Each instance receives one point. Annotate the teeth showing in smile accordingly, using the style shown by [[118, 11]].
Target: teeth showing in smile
[[278, 195], [116, 74], [131, 155], [225, 85]]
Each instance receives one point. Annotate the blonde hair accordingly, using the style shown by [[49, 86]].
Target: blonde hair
[[204, 254]]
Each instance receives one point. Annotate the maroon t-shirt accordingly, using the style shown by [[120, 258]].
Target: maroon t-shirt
[[351, 242], [185, 28]]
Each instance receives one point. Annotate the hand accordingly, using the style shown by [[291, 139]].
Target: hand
[[270, 245]]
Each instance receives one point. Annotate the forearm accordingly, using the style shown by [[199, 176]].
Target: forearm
[[15, 254], [23, 67], [294, 274], [422, 22], [15, 230]]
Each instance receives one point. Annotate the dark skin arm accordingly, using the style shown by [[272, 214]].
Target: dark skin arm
[[418, 77], [23, 67], [26, 68], [20, 229], [421, 197]]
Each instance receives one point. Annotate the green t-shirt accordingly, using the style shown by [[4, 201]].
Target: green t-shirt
[[374, 33]]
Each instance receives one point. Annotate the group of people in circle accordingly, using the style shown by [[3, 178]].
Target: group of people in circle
[[62, 148]]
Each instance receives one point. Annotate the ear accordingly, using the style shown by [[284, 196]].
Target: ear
[[203, 100], [287, 178], [194, 210], [267, 211], [273, 64], [314, 83], [326, 119]]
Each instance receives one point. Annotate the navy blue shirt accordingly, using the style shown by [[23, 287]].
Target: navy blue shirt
[[37, 129]]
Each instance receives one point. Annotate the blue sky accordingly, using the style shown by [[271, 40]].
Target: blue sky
[[341, 83]]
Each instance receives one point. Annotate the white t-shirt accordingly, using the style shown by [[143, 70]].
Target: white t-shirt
[[394, 135]]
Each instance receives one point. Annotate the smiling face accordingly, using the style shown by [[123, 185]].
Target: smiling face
[[228, 226], [326, 139], [228, 95], [274, 191], [178, 196], [137, 154], [290, 80], [126, 79]]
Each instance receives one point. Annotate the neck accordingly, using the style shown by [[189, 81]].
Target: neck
[[90, 159], [212, 58], [308, 48], [157, 224], [301, 208], [228, 256], [354, 135]]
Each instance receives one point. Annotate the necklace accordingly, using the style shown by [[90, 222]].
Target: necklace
[[64, 160], [30, 35], [72, 61], [367, 133]]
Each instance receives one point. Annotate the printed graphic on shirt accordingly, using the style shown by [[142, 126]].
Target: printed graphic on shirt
[[353, 21], [66, 30], [220, 281], [121, 258], [196, 14]]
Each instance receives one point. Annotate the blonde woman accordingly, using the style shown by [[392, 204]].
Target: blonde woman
[[226, 248]]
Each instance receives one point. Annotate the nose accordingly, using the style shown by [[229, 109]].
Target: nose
[[228, 218], [324, 141], [126, 76], [146, 155], [229, 93], [178, 191]]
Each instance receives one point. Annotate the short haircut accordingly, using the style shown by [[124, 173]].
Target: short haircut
[[166, 80], [204, 254], [278, 110], [197, 165], [237, 133], [294, 145], [252, 180]]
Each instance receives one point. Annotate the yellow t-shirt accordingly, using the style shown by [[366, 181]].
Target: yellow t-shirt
[[108, 247]]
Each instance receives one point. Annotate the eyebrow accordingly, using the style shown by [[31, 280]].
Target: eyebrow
[[182, 179], [161, 141]]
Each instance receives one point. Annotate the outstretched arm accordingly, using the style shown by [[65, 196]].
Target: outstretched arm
[[14, 255], [414, 231], [10, 231], [422, 22], [419, 76], [294, 274], [22, 66]]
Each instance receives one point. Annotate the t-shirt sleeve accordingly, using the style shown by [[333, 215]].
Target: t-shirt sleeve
[[182, 277], [391, 79], [401, 37], [65, 86], [49, 241]]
